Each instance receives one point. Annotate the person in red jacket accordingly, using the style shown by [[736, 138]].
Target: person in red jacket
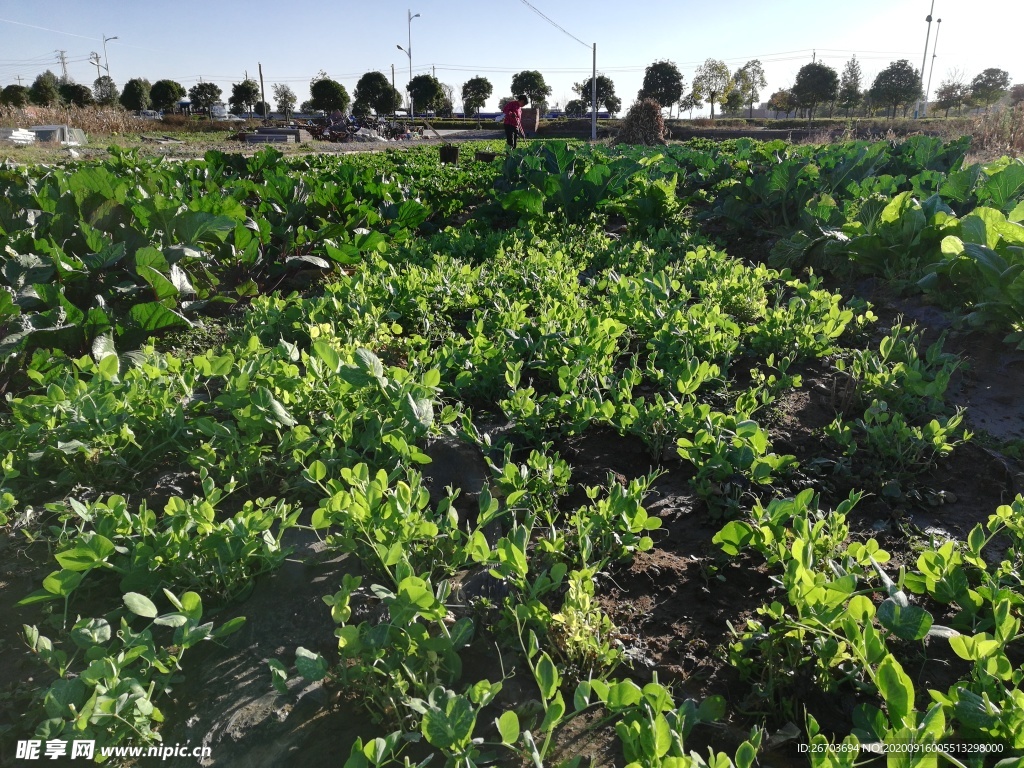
[[514, 120]]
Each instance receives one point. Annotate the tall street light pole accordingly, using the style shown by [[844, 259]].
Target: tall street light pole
[[924, 58], [408, 52], [931, 70], [106, 61]]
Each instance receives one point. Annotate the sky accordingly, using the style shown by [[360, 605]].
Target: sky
[[223, 40]]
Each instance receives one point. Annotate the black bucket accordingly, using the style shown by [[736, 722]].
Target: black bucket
[[449, 153]]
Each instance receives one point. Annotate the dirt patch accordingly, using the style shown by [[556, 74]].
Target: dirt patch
[[226, 701], [990, 387]]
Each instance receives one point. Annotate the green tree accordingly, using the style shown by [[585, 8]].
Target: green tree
[[105, 90], [850, 85], [663, 82], [990, 86], [712, 82], [605, 93], [447, 108], [575, 108], [261, 108], [165, 94], [952, 93], [815, 83], [426, 93], [44, 90], [76, 94], [244, 95], [782, 101], [327, 94], [285, 98], [1016, 95], [14, 96], [375, 92], [531, 83], [899, 83], [690, 102], [204, 96], [733, 104], [749, 81], [135, 96], [475, 93]]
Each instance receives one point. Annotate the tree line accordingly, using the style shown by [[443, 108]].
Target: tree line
[[896, 88], [817, 85]]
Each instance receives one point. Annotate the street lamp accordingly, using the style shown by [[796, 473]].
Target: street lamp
[[924, 59], [106, 62], [935, 45], [408, 52]]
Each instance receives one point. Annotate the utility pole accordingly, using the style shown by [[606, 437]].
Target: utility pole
[[433, 71], [924, 59], [18, 78], [593, 98], [814, 56], [94, 58], [263, 95], [106, 61], [62, 60], [408, 52], [935, 45]]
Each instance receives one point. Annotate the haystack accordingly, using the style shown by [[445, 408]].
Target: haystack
[[643, 124]]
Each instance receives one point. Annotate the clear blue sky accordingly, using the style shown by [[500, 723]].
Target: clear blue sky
[[221, 40]]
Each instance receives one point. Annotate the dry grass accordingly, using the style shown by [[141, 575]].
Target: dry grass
[[999, 133], [95, 122]]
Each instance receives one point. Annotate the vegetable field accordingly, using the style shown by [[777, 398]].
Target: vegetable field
[[584, 456]]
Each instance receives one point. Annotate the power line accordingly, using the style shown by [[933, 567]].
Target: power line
[[553, 23], [46, 29]]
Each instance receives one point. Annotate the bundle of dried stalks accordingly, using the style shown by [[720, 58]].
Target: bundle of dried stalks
[[643, 124]]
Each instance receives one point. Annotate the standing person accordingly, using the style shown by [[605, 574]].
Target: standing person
[[514, 120]]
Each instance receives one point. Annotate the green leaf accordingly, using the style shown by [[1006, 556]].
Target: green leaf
[[62, 583], [508, 727], [89, 632], [527, 202], [192, 606], [88, 552], [547, 676], [623, 694], [712, 709], [328, 355], [151, 257], [162, 287], [556, 710], [1017, 214], [194, 227], [311, 666], [278, 675], [154, 316], [228, 627], [140, 605], [317, 471], [909, 622], [369, 363], [451, 726], [897, 690], [103, 346], [420, 411], [734, 537]]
